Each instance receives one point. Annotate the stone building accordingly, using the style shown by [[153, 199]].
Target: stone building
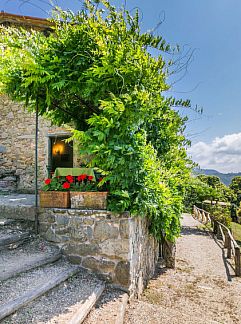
[[17, 133]]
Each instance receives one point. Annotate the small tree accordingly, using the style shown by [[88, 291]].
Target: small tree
[[198, 191], [220, 191], [95, 72], [235, 186]]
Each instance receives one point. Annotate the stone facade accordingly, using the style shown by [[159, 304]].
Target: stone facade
[[115, 246], [17, 147]]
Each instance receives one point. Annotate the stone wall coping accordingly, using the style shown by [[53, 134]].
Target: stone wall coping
[[85, 212]]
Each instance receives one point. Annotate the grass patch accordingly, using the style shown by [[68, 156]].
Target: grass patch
[[205, 227], [236, 230], [153, 296]]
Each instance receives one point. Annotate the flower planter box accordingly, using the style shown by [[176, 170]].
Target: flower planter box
[[88, 200], [54, 199]]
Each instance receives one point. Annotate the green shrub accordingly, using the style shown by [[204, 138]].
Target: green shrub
[[221, 214]]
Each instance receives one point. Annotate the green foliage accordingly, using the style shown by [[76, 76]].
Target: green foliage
[[220, 191], [95, 72], [196, 192], [221, 214], [236, 232], [235, 186]]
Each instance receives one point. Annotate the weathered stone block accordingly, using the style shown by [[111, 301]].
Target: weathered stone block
[[62, 220], [62, 230], [76, 259], [88, 221], [58, 210], [104, 231], [124, 228], [91, 263], [51, 236], [115, 248], [106, 265], [81, 249], [78, 234], [101, 265], [122, 273], [43, 227]]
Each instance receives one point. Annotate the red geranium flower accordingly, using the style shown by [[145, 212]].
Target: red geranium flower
[[47, 181], [66, 185], [90, 178], [70, 178], [82, 177]]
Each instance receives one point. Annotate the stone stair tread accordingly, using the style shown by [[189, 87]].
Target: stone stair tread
[[9, 237], [30, 255], [9, 224], [17, 292], [60, 304], [7, 221]]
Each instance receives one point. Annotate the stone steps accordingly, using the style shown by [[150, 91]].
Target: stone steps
[[17, 206], [13, 239], [36, 281], [14, 233], [33, 254], [19, 291], [5, 221], [57, 299]]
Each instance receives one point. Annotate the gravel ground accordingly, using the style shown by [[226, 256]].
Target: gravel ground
[[34, 250], [201, 289], [107, 308], [14, 287], [59, 304]]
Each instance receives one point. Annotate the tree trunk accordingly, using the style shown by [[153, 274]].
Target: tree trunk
[[169, 253]]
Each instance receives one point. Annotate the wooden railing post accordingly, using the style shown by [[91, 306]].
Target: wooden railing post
[[215, 227], [219, 235], [229, 247], [226, 240], [194, 211], [237, 261]]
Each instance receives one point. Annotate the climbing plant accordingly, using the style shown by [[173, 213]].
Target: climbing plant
[[96, 73]]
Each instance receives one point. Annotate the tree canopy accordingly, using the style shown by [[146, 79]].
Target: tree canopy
[[96, 73], [235, 186], [220, 191]]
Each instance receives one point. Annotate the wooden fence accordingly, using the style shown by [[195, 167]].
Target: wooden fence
[[222, 233]]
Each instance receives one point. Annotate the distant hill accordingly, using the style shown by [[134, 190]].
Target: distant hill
[[225, 178]]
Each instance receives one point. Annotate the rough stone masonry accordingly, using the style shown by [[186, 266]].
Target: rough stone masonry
[[115, 246]]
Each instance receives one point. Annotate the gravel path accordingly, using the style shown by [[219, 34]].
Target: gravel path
[[107, 308], [201, 289]]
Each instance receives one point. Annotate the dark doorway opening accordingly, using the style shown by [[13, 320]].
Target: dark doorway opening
[[60, 153]]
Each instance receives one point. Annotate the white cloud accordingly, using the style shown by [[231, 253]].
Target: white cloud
[[222, 154]]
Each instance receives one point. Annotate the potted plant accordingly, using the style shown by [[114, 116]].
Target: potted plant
[[87, 193], [55, 192], [81, 192]]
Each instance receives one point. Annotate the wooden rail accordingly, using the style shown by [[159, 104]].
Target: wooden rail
[[222, 233], [201, 215]]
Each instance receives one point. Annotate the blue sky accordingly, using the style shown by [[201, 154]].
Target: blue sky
[[213, 80]]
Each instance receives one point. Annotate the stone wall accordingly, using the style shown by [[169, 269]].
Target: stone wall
[[17, 146], [115, 246], [17, 131]]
